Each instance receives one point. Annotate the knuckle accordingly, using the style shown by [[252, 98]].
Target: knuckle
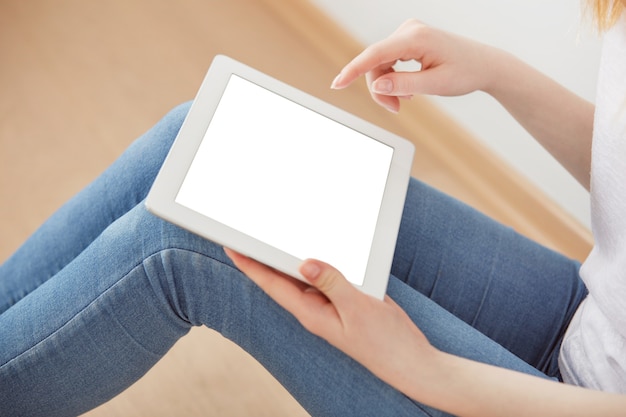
[[414, 26], [327, 283], [417, 30]]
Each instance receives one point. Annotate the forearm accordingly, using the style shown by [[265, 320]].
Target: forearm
[[558, 119], [467, 388]]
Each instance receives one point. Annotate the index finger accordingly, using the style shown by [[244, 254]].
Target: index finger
[[374, 57], [380, 56]]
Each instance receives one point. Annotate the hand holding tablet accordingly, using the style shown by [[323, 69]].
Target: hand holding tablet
[[280, 176]]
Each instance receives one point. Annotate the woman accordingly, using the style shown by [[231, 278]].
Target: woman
[[475, 314]]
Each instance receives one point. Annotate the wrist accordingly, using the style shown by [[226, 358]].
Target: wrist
[[448, 383], [500, 71], [428, 381]]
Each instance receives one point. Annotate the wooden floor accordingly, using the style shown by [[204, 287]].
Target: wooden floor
[[79, 80]]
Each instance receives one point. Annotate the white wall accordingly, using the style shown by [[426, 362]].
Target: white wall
[[550, 35]]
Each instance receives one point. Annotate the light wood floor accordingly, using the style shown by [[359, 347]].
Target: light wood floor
[[79, 80]]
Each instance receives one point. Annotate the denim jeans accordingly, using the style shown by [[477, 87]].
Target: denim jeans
[[104, 289]]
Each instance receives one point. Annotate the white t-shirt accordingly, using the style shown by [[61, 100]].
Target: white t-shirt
[[593, 353]]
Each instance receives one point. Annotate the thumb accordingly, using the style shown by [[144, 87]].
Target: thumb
[[326, 279], [407, 83]]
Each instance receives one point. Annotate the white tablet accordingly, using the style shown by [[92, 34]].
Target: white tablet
[[280, 176]]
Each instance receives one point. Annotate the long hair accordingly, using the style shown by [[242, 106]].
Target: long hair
[[606, 12]]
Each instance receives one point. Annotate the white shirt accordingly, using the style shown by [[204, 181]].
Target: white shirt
[[593, 353]]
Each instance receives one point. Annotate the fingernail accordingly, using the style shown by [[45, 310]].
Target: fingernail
[[384, 86], [391, 109], [310, 270], [335, 82]]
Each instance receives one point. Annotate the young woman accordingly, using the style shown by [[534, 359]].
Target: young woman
[[478, 320]]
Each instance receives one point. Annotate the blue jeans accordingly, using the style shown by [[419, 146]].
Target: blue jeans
[[104, 289]]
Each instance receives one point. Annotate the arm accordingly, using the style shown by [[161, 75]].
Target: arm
[[369, 329], [558, 119], [452, 65], [467, 388]]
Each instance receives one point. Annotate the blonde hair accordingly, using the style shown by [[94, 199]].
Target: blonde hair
[[606, 12]]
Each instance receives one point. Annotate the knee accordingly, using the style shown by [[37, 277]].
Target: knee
[[173, 120], [191, 276], [140, 163], [162, 135], [157, 236]]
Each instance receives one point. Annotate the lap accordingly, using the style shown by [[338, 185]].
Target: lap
[[144, 281], [518, 295], [507, 287]]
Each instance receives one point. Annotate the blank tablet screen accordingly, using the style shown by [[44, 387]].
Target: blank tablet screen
[[290, 177]]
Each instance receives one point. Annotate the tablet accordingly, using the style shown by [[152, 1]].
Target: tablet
[[280, 176]]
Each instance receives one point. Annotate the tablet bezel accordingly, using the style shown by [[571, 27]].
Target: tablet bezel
[[162, 196]]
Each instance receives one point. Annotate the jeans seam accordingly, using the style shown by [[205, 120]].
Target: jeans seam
[[488, 284]]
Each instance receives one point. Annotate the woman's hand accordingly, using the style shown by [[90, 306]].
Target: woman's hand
[[450, 65], [379, 335], [376, 333]]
